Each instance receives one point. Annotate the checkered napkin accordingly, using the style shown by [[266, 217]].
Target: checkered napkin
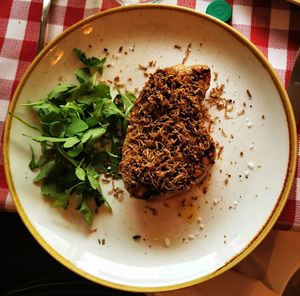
[[273, 26]]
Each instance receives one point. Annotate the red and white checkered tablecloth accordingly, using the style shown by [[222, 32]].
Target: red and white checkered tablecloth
[[273, 26]]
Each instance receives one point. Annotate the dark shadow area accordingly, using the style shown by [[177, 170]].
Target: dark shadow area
[[293, 286], [26, 269]]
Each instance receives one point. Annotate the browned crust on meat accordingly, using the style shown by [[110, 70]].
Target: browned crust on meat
[[167, 148]]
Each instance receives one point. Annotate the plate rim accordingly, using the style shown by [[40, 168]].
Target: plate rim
[[295, 2], [265, 228]]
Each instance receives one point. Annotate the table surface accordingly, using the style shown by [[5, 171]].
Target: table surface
[[272, 25]]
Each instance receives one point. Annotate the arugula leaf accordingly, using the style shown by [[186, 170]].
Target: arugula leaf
[[83, 74], [89, 94], [127, 99], [58, 91], [86, 212], [46, 107], [107, 108], [94, 183], [45, 171], [92, 135], [92, 121], [32, 165], [60, 198], [126, 120], [90, 170], [70, 142], [110, 109], [57, 129], [61, 202], [90, 62], [51, 117], [102, 90], [47, 139], [80, 173], [24, 122], [76, 126], [71, 107], [70, 190], [75, 151], [42, 160], [64, 155]]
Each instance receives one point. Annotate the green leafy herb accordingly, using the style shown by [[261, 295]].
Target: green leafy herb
[[47, 139], [86, 212], [92, 62], [80, 173], [52, 190], [75, 151], [32, 164], [83, 74], [45, 171], [75, 126], [70, 142], [127, 99], [82, 129]]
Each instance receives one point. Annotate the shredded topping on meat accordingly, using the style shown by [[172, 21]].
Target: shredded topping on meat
[[167, 146], [216, 99]]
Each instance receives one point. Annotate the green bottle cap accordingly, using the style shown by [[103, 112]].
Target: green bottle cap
[[220, 9]]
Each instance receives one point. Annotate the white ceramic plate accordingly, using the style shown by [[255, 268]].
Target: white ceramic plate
[[235, 217]]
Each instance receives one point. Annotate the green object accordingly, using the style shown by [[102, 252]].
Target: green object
[[90, 62], [82, 130], [220, 9]]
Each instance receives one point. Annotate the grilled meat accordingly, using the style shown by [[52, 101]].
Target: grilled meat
[[167, 148]]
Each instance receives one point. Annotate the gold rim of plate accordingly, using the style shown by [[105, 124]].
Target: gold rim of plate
[[296, 2], [264, 229]]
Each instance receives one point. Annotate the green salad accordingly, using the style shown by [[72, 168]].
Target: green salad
[[82, 129]]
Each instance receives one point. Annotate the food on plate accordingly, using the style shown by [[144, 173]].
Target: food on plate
[[167, 148], [84, 133], [82, 128]]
